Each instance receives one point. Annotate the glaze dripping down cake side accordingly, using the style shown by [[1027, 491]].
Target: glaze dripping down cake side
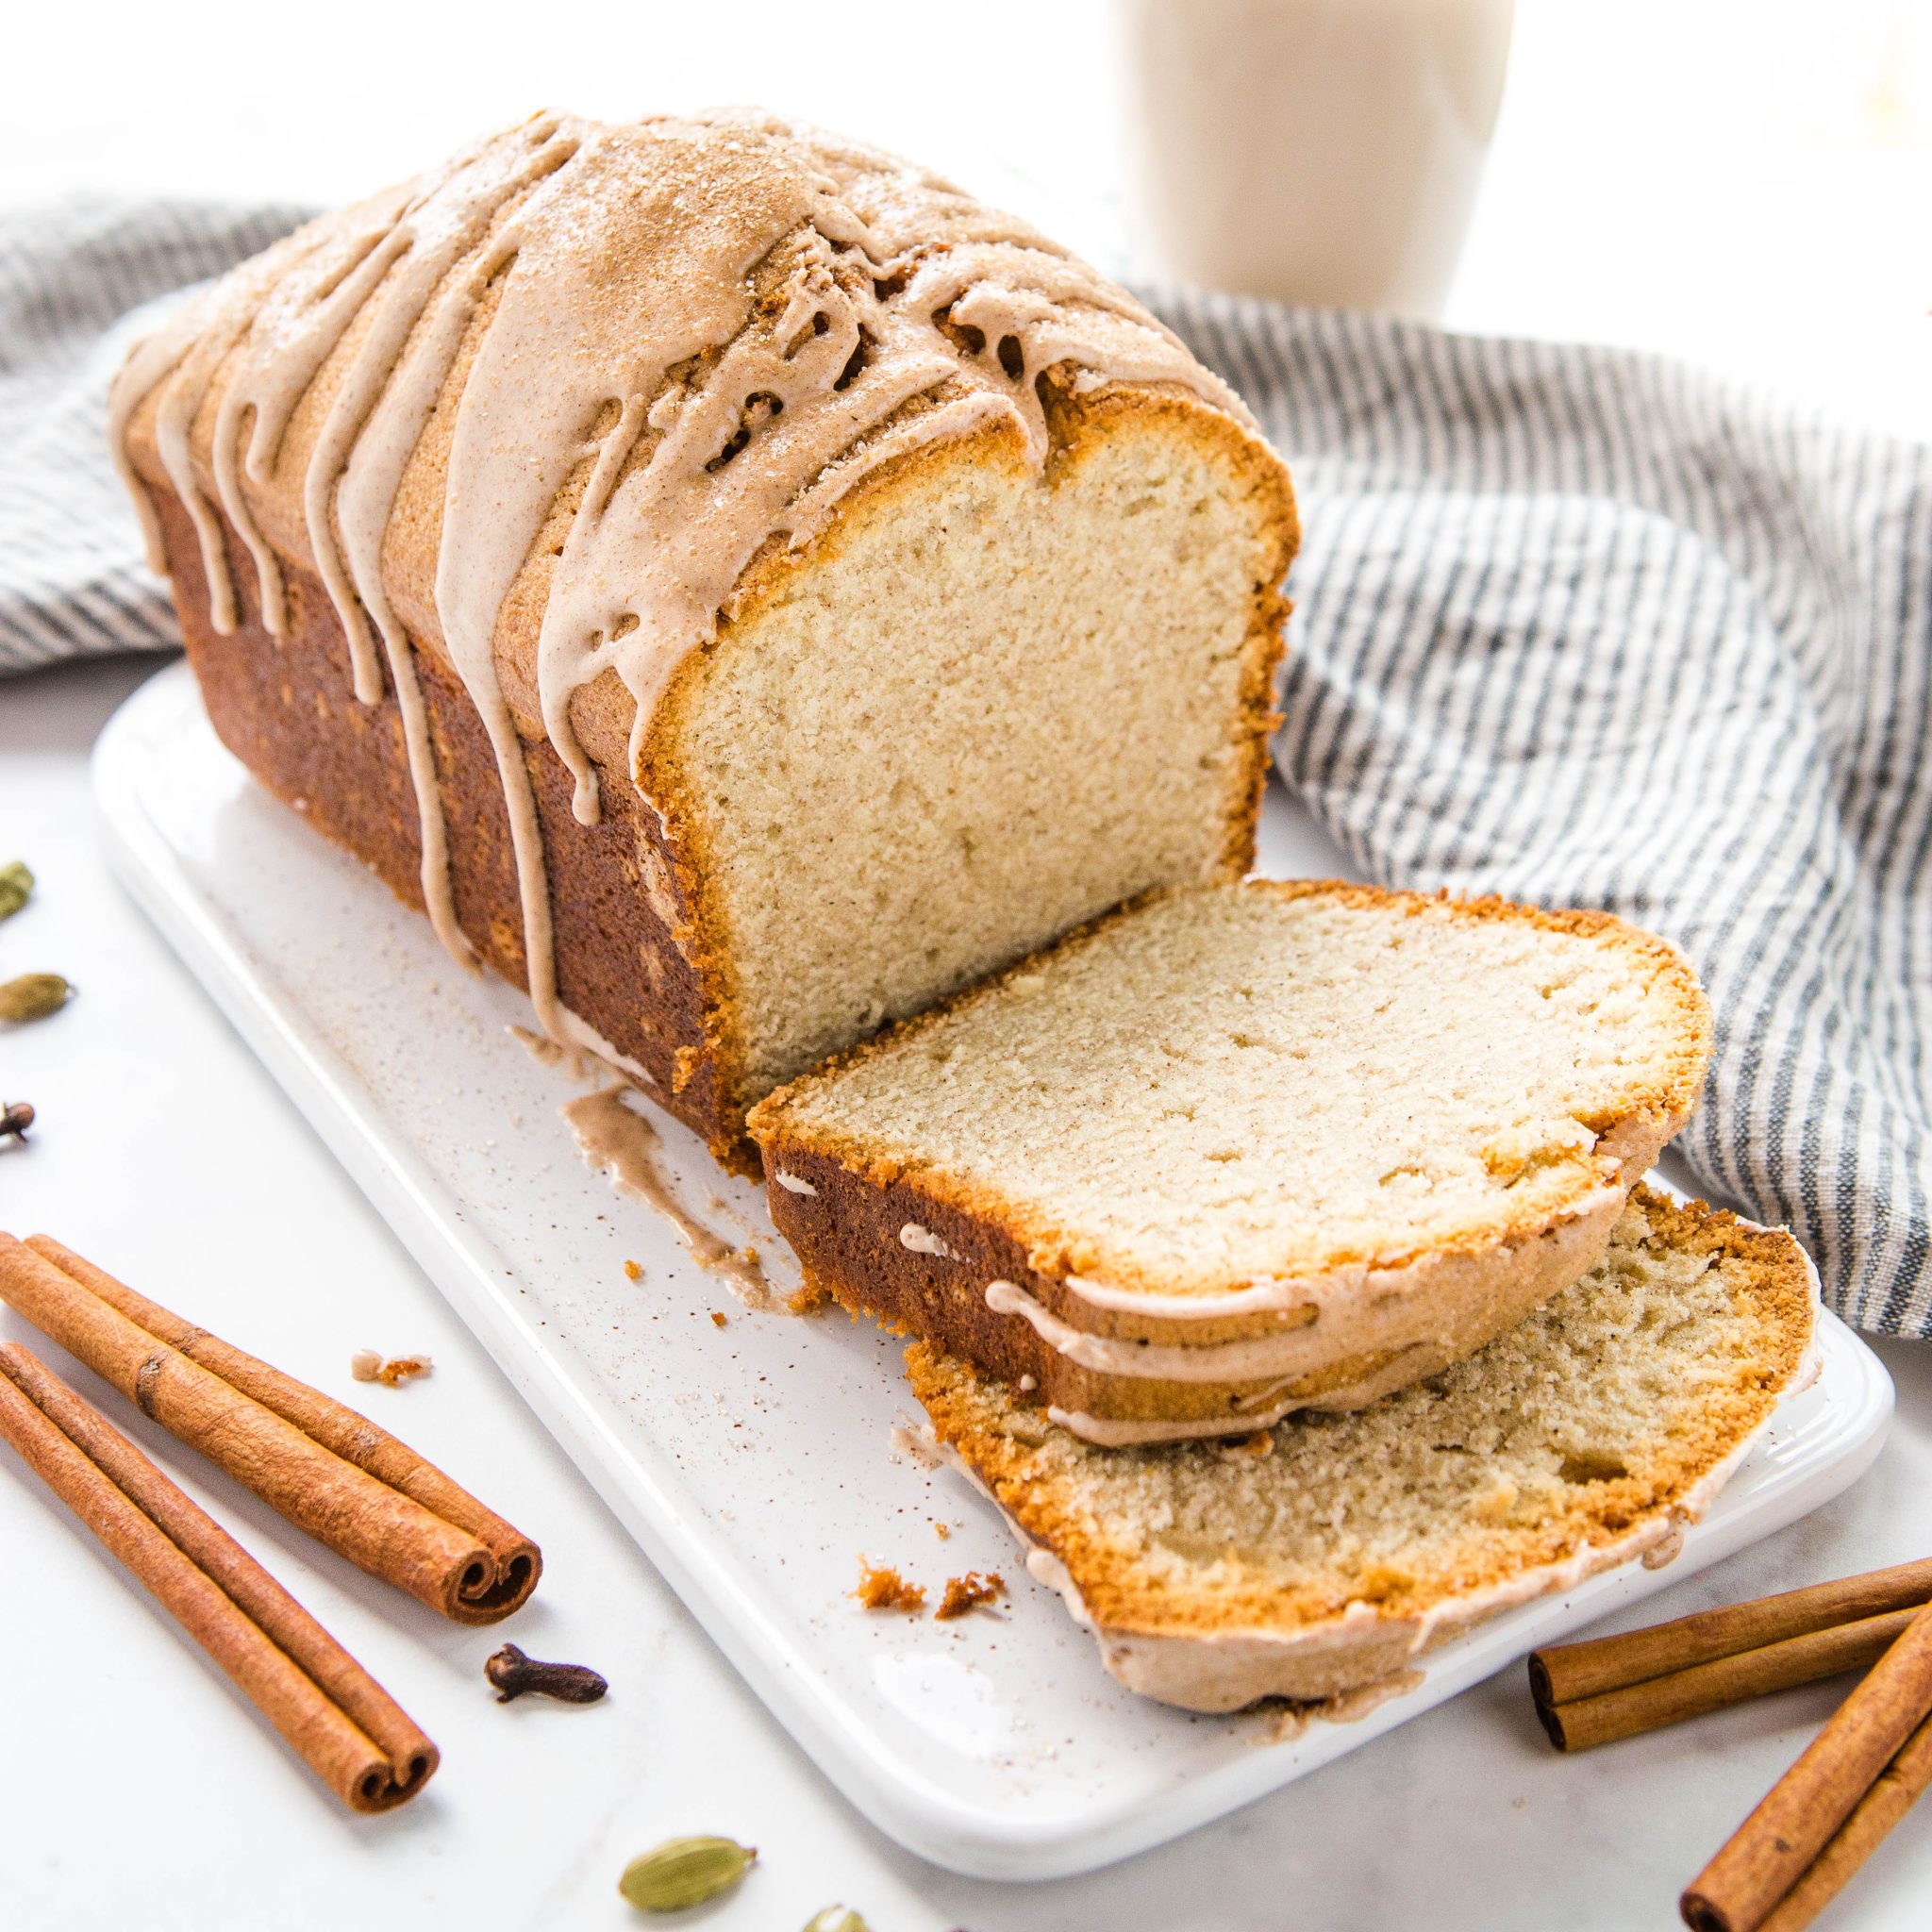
[[742, 588]]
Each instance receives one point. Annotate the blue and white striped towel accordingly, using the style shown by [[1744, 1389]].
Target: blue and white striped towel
[[1574, 625]]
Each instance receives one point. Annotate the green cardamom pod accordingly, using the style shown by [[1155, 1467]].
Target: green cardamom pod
[[684, 1872], [33, 996], [16, 882], [835, 1919]]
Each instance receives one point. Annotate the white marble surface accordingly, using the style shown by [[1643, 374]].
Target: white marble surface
[[1720, 178], [1741, 182]]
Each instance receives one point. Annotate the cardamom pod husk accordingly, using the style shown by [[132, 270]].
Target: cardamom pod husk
[[16, 882], [32, 996], [684, 1872], [835, 1919]]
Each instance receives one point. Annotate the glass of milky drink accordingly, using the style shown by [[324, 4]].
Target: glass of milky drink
[[1317, 151]]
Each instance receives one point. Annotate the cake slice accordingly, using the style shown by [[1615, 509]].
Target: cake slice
[[1242, 1149], [1320, 1557]]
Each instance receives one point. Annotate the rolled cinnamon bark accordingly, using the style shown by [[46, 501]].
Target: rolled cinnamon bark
[[1567, 1671], [1898, 1788], [328, 1469], [352, 1734], [1799, 1818], [1588, 1721]]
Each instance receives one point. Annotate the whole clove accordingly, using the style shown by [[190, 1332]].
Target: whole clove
[[16, 1117], [513, 1673]]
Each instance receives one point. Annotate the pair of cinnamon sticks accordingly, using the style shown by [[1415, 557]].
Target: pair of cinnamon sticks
[[326, 1469], [1857, 1778]]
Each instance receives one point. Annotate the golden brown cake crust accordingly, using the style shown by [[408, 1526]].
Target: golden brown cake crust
[[286, 710], [848, 1238]]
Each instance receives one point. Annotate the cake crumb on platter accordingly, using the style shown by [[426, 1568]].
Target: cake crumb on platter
[[883, 1589], [970, 1593], [367, 1365]]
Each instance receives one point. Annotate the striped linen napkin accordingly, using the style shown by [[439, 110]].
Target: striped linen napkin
[[1575, 625], [73, 581]]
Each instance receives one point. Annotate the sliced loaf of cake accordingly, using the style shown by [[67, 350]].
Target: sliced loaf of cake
[[1242, 1149], [1321, 1557], [741, 587]]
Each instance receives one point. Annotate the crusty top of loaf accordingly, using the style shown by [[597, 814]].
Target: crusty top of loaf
[[689, 337], [1602, 1413], [1232, 1086]]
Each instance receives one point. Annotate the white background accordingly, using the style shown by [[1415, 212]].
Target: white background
[[1743, 184]]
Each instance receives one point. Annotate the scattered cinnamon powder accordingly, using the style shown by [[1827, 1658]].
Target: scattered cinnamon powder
[[365, 1365], [969, 1592], [634, 1271], [717, 1319], [885, 1590]]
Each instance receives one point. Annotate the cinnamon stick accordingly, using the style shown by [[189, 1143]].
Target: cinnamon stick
[[1588, 1721], [1897, 1787], [1568, 1672], [1804, 1814], [328, 1469], [352, 1734]]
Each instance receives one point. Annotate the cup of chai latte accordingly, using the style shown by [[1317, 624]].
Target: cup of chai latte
[[1325, 152]]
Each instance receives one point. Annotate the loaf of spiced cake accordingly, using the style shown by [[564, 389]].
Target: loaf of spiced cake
[[742, 589]]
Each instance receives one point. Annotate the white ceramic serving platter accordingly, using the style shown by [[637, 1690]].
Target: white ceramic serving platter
[[754, 1463]]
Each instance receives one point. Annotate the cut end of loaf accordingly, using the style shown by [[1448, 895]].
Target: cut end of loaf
[[991, 703], [1215, 1575]]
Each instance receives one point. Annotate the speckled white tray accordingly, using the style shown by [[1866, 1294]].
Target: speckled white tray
[[756, 1462]]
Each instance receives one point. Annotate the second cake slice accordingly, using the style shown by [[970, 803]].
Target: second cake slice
[[1237, 1151]]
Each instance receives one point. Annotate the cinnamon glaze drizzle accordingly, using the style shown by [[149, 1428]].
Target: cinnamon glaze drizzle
[[729, 321]]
